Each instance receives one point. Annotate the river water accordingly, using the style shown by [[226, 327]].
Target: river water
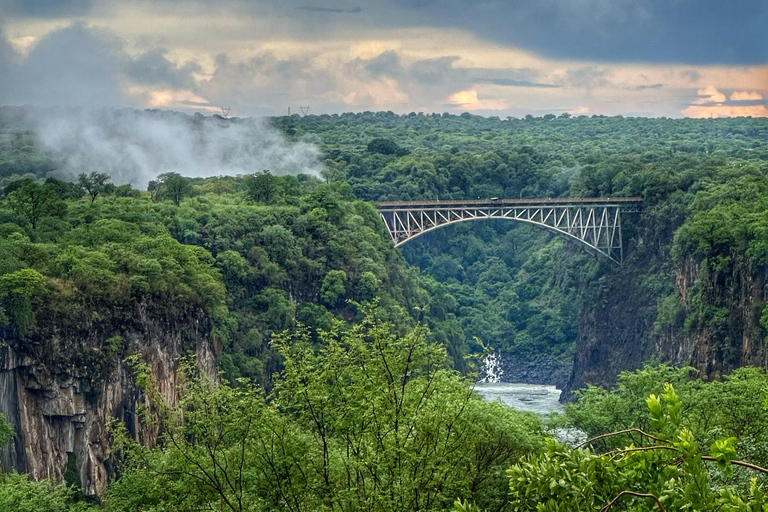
[[540, 399], [537, 398]]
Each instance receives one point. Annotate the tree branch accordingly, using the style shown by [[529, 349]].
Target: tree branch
[[738, 463], [611, 434], [632, 493]]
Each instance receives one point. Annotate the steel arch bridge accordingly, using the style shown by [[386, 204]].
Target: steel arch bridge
[[595, 222]]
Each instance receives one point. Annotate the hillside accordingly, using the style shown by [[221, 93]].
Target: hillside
[[94, 272]]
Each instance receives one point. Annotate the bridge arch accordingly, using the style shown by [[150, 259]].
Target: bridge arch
[[595, 222]]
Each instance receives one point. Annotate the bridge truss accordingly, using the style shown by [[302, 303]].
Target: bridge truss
[[595, 222]]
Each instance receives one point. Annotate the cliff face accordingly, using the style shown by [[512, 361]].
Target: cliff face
[[60, 408], [615, 331], [718, 343], [716, 326]]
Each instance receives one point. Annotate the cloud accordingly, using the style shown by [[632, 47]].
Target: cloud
[[709, 95], [435, 71], [745, 95], [588, 77], [701, 32], [469, 100], [710, 102], [328, 10], [46, 8], [154, 68], [650, 86], [509, 82], [73, 66], [386, 64]]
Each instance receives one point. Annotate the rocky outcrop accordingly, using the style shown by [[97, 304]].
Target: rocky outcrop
[[718, 346], [61, 410], [530, 369], [615, 332], [716, 332]]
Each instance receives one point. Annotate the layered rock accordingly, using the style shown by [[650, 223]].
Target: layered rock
[[61, 410]]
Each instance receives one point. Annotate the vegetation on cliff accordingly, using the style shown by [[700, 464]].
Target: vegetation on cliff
[[331, 409]]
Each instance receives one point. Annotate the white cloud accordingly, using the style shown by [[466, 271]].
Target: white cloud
[[745, 95]]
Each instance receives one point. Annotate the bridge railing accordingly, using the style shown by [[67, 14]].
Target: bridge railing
[[566, 201]]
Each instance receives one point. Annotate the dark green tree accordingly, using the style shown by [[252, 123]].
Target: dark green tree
[[261, 187], [94, 183], [33, 202], [173, 186]]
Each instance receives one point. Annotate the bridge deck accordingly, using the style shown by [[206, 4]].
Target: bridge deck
[[474, 203]]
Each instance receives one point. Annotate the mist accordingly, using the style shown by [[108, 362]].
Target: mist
[[135, 146]]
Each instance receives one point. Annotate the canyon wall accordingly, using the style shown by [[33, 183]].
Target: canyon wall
[[60, 408], [711, 320]]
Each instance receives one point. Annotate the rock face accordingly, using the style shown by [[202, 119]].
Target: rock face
[[61, 411], [738, 339], [617, 329], [615, 333], [530, 369]]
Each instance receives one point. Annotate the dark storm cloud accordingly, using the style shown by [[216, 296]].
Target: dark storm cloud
[[72, 66], [45, 8], [442, 71], [684, 31], [509, 82], [438, 70], [153, 68], [386, 64], [82, 66]]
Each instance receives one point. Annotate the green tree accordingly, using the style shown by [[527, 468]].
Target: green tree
[[261, 187], [33, 201], [333, 288], [370, 421], [94, 183], [174, 186], [671, 472], [18, 493], [17, 291], [6, 431]]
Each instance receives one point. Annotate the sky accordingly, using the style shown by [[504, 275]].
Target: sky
[[673, 58]]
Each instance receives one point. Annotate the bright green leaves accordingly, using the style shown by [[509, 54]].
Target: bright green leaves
[[18, 291], [668, 465], [364, 420], [332, 289], [724, 450], [21, 494], [6, 431]]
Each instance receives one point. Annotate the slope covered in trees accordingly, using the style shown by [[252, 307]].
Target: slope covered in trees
[[93, 273]]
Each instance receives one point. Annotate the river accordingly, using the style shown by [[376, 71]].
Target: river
[[537, 398]]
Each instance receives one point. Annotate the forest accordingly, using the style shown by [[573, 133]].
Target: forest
[[344, 366]]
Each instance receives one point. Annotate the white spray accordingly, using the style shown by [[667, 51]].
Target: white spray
[[135, 146], [492, 370]]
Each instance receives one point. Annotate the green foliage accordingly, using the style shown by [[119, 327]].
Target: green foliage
[[332, 289], [369, 421], [173, 186], [33, 202], [261, 187], [670, 471], [18, 290], [20, 494], [6, 431], [94, 183]]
